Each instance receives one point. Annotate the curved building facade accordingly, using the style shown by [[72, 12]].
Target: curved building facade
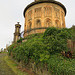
[[42, 14]]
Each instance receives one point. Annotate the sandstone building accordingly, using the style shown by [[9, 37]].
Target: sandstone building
[[41, 14]]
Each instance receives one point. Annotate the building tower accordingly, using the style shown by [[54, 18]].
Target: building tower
[[17, 32], [41, 14]]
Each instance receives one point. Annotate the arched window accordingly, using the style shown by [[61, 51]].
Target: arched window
[[48, 23], [57, 23], [38, 23], [29, 26]]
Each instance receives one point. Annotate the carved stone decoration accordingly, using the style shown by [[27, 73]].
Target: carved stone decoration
[[30, 15], [62, 16], [17, 32], [48, 11], [57, 23], [38, 12], [41, 14], [38, 23], [57, 13], [48, 23], [29, 26]]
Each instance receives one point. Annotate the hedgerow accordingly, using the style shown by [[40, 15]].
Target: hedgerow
[[45, 49]]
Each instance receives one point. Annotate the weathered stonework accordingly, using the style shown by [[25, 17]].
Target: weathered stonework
[[40, 15], [17, 32]]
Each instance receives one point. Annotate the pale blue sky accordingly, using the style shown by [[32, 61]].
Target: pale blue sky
[[11, 11]]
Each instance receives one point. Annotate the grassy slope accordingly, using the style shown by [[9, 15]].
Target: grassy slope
[[56, 63], [60, 64], [13, 66]]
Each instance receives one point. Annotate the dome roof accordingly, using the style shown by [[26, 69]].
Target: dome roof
[[45, 1]]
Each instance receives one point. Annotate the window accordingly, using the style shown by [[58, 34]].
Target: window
[[57, 23], [48, 11], [48, 23], [38, 23], [38, 12], [29, 26]]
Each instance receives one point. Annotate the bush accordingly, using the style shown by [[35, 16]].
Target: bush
[[61, 66], [50, 31], [45, 49], [20, 40], [56, 39]]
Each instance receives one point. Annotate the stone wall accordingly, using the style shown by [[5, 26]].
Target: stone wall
[[44, 15]]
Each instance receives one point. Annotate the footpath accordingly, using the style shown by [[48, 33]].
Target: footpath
[[4, 68]]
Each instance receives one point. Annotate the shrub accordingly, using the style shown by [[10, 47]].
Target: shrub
[[20, 40], [50, 31], [56, 39], [61, 66], [45, 49]]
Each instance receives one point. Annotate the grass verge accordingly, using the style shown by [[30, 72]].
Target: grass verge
[[13, 66]]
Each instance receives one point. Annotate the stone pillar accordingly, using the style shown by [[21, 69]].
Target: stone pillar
[[17, 32]]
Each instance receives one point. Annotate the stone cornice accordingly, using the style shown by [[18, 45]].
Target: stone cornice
[[35, 29], [38, 2], [17, 25]]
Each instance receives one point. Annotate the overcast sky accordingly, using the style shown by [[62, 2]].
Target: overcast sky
[[11, 12]]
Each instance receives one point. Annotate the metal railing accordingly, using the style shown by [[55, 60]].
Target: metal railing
[[23, 32]]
